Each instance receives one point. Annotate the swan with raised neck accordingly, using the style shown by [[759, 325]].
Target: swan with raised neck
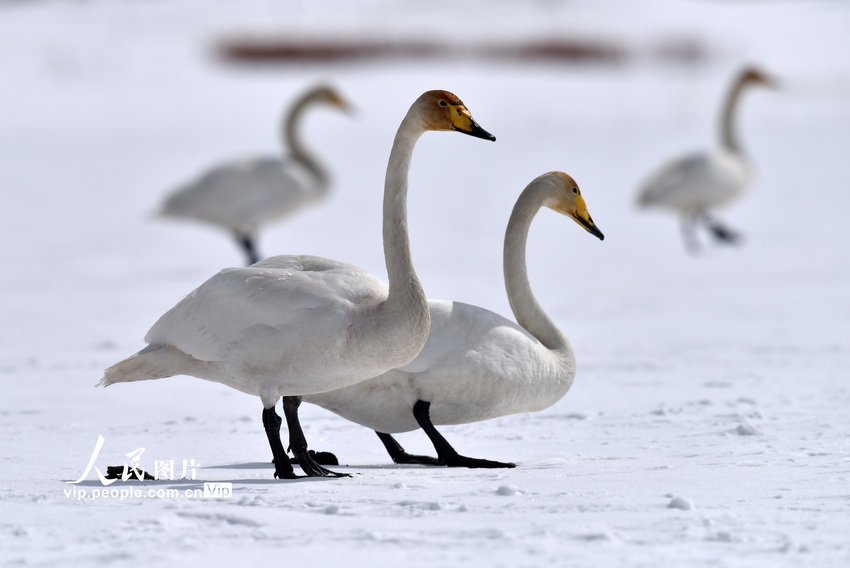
[[241, 195], [694, 185], [295, 325], [476, 365]]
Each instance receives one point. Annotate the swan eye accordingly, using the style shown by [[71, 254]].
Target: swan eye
[[443, 103]]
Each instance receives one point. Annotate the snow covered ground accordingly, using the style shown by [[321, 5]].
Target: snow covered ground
[[708, 424]]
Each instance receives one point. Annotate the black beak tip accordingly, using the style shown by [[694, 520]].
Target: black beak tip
[[594, 230], [483, 133], [477, 132]]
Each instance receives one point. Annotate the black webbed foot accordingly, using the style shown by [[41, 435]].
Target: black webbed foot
[[462, 461], [719, 231], [321, 458], [446, 454], [724, 234], [401, 457], [311, 467], [127, 473], [298, 443]]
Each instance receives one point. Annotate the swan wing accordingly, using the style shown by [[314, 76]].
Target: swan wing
[[462, 331], [284, 306], [243, 194], [697, 181], [479, 365], [476, 365]]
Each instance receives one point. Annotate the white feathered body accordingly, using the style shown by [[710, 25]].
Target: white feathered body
[[476, 365], [698, 182], [288, 325], [242, 195], [300, 325]]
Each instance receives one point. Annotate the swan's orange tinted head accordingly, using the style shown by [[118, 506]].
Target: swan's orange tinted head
[[570, 202], [331, 96], [443, 110], [756, 76]]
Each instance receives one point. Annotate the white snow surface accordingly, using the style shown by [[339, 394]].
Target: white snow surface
[[708, 424]]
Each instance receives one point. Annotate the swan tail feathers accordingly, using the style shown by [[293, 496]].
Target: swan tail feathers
[[152, 362]]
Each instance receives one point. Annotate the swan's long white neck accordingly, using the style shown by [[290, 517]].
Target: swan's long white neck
[[291, 128], [526, 309], [728, 129], [406, 297]]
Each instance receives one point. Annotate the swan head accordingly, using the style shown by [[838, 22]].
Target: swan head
[[567, 200], [328, 95], [442, 110], [754, 76]]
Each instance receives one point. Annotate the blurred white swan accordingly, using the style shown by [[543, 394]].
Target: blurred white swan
[[695, 184], [476, 364], [293, 325], [243, 194]]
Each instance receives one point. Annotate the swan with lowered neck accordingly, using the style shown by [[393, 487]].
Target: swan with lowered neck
[[295, 325], [695, 184], [242, 195], [476, 364]]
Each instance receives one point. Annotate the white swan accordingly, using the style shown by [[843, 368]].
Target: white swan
[[695, 184], [476, 364], [242, 195], [293, 325]]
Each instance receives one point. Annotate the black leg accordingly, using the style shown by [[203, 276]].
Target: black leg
[[246, 243], [282, 467], [446, 453], [721, 232], [399, 456], [298, 443]]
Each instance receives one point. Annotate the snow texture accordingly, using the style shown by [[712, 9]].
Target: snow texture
[[708, 423]]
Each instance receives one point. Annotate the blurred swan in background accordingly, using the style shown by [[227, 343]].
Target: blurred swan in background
[[476, 364], [695, 184], [294, 325], [243, 194]]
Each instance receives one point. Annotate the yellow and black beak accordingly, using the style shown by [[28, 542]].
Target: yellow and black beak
[[772, 83], [582, 217], [463, 122], [343, 105], [762, 78]]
